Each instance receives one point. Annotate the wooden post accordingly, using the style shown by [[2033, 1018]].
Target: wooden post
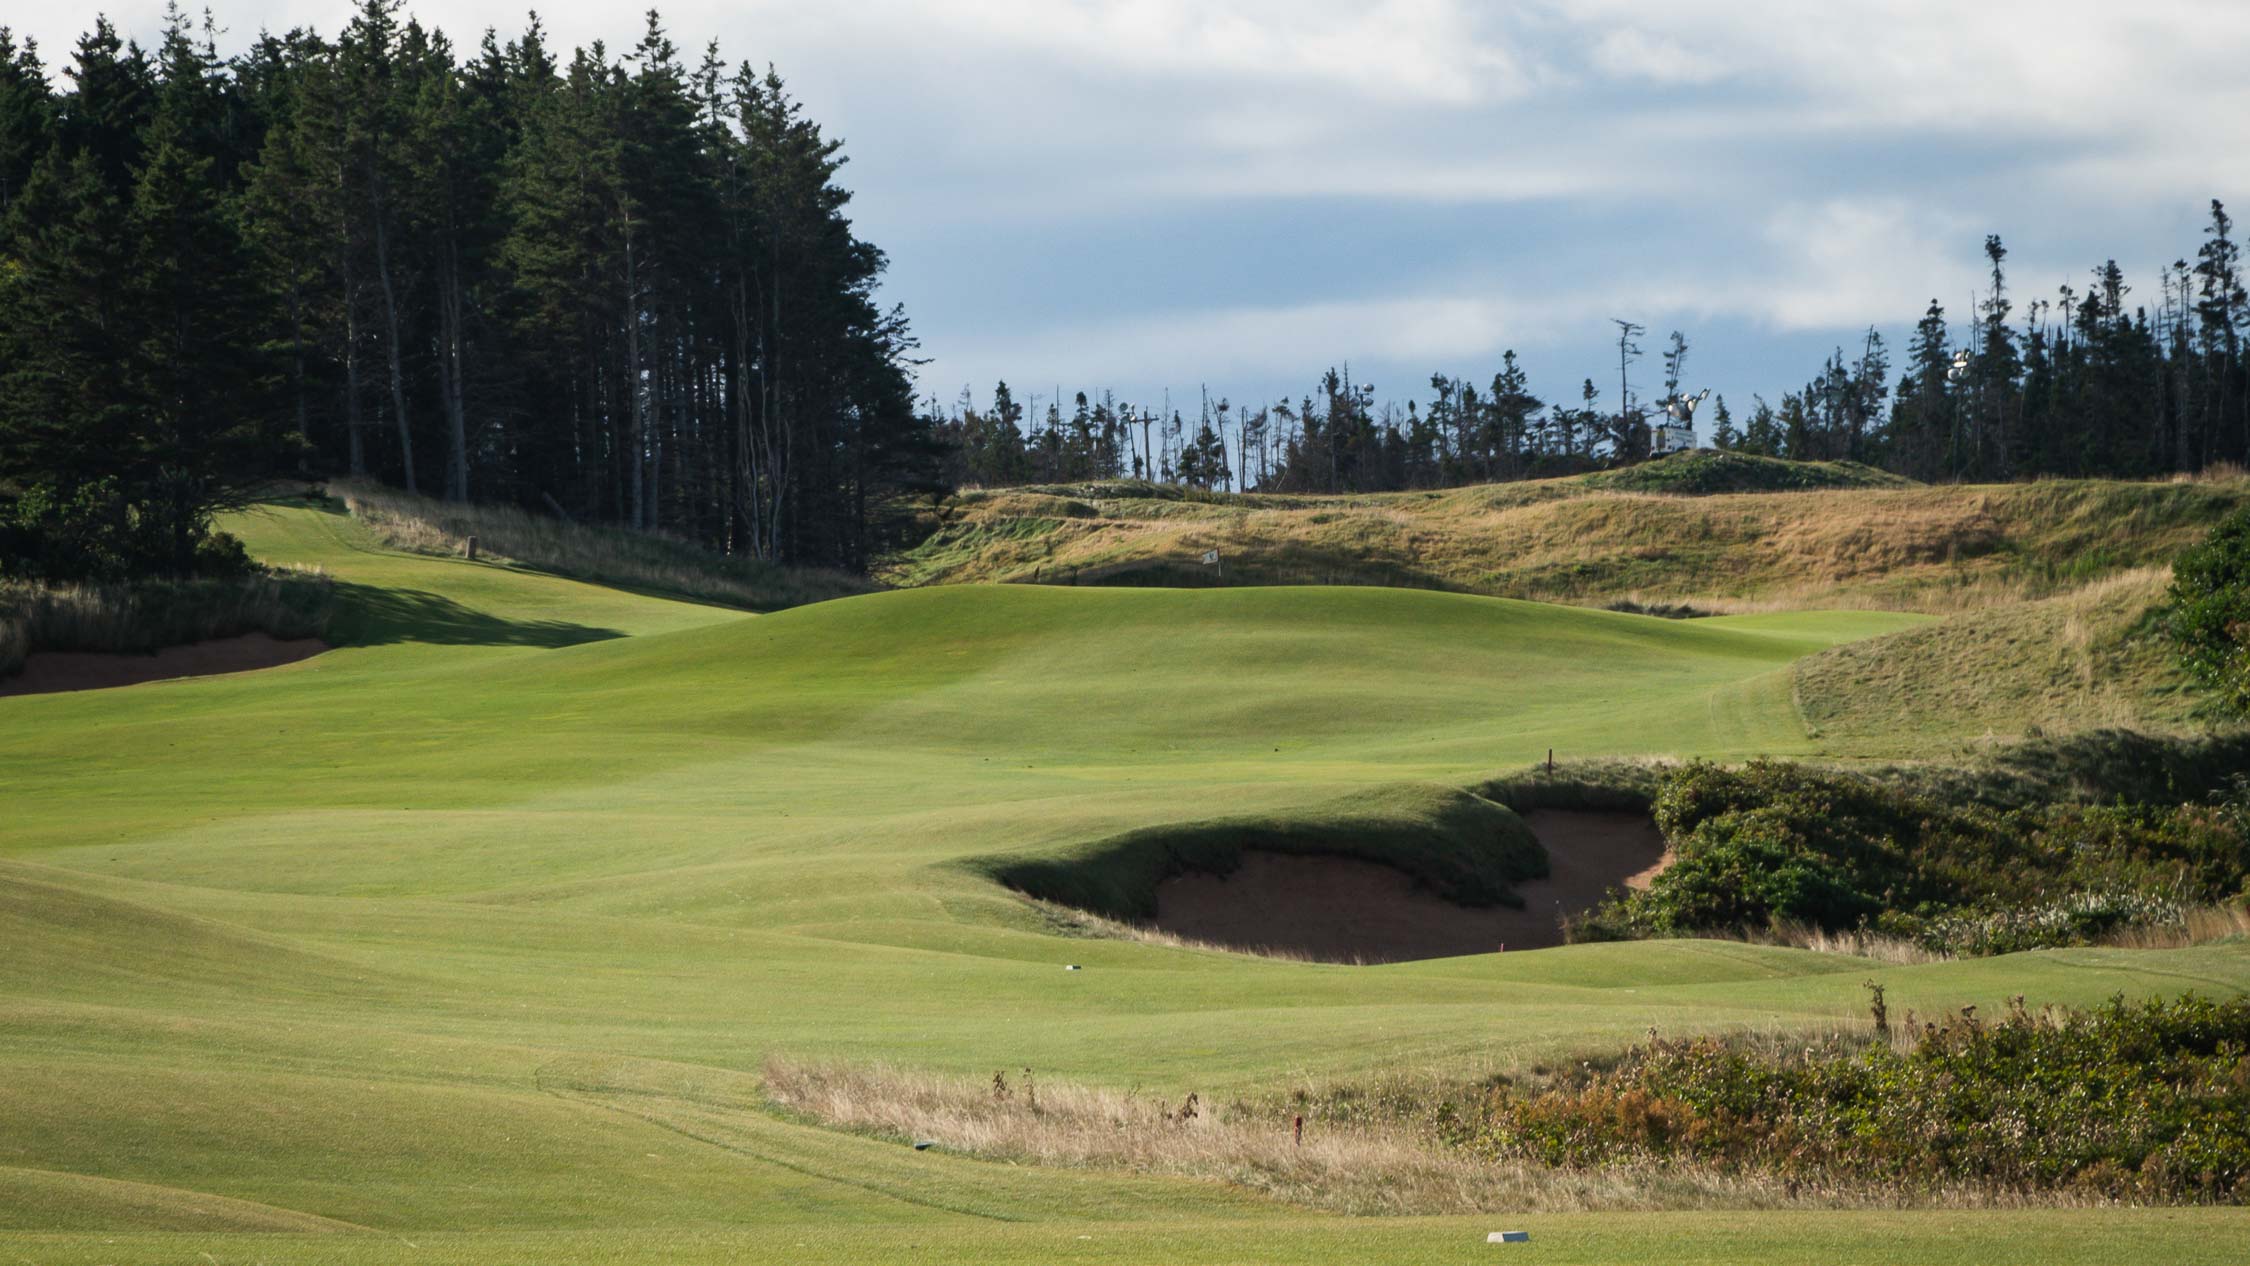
[[1550, 761], [472, 549], [1300, 1131]]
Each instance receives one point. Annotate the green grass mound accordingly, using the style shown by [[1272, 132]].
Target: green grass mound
[[2089, 659], [1704, 471], [1465, 849]]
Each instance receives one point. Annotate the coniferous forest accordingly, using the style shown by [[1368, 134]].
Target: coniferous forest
[[611, 284], [2086, 383], [621, 286]]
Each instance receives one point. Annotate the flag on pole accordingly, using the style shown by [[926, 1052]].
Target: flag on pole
[[1210, 556]]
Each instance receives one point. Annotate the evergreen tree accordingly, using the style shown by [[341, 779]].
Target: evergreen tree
[[27, 113]]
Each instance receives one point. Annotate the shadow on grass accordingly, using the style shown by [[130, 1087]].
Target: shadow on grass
[[370, 616]]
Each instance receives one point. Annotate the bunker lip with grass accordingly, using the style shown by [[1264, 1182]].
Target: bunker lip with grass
[[1341, 909], [52, 672]]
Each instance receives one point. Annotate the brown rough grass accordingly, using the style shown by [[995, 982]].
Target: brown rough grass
[[147, 616], [1387, 1161], [1937, 549]]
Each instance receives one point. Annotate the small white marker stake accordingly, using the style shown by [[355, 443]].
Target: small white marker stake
[[1508, 1237]]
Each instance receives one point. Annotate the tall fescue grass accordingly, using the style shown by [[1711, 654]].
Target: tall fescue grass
[[1368, 1168], [1934, 549], [612, 556], [146, 616], [1404, 1145], [2091, 657]]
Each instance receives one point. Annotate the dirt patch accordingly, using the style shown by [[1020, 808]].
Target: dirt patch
[[1337, 909], [47, 672]]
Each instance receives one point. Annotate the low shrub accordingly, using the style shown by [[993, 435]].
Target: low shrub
[[2131, 1101], [2210, 616], [103, 532], [1706, 471], [1774, 843]]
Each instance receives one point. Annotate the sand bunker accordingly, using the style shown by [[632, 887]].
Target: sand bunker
[[1338, 909], [50, 671]]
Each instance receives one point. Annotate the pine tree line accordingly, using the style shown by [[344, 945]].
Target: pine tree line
[[2085, 385], [618, 286]]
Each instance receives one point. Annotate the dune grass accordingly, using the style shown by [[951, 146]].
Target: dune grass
[[1587, 541], [151, 614], [474, 934], [2089, 659]]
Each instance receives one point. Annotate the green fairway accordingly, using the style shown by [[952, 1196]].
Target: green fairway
[[474, 932]]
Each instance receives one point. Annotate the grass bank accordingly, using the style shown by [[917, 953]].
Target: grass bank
[[1466, 849], [1589, 540], [2128, 1103], [619, 557]]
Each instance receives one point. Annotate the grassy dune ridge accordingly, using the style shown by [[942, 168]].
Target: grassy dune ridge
[[1591, 540], [477, 930]]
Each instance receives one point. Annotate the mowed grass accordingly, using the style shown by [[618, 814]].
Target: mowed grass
[[475, 933]]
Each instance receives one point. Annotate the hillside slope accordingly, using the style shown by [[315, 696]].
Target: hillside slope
[[2089, 659], [1869, 543], [465, 941]]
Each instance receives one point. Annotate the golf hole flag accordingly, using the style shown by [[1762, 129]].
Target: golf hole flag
[[1210, 556]]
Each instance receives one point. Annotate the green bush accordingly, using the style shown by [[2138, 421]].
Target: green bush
[[1707, 471], [1776, 843], [96, 531], [2210, 617], [2147, 1101]]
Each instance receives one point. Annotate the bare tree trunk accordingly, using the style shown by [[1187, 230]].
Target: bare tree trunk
[[638, 439], [352, 420], [297, 361], [390, 348], [450, 374], [747, 466]]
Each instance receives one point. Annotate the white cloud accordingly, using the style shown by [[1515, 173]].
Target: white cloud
[[1802, 166], [1632, 53]]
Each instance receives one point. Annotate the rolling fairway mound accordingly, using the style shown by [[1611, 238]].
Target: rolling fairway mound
[[465, 941]]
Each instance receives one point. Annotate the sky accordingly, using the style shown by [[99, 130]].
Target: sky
[[1173, 195]]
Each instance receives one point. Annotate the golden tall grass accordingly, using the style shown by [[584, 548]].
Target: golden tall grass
[[1376, 1165], [149, 615], [2087, 658], [1939, 549]]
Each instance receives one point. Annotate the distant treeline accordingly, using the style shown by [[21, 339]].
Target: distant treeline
[[620, 286], [2084, 384]]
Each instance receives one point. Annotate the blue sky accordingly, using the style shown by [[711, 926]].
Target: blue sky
[[1142, 194]]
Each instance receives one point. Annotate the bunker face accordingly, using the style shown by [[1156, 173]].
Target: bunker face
[[1336, 909], [48, 672]]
